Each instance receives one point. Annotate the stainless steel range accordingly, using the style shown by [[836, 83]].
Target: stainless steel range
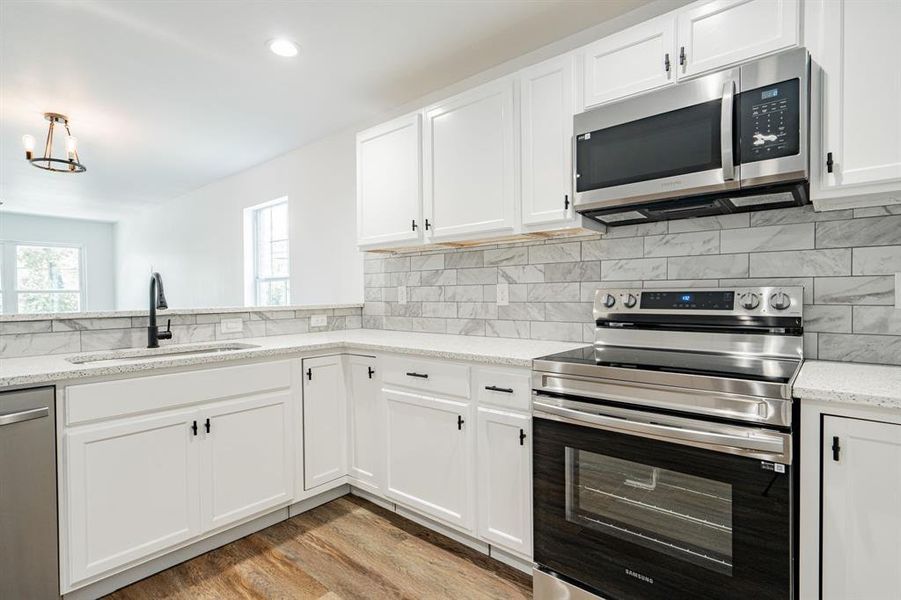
[[663, 453]]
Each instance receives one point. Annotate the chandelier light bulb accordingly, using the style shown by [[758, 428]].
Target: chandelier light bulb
[[28, 142], [71, 144]]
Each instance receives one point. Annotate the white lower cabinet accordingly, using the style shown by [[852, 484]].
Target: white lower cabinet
[[365, 418], [505, 479], [324, 421], [132, 488], [429, 449], [861, 526], [247, 457]]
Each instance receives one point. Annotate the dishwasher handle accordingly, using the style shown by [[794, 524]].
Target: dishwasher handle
[[24, 415]]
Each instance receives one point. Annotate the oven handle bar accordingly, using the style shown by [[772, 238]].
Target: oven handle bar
[[753, 443]]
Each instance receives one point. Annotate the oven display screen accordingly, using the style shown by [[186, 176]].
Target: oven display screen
[[688, 300]]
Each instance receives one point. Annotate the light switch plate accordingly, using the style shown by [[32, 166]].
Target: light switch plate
[[503, 294], [401, 294], [318, 320], [231, 325]]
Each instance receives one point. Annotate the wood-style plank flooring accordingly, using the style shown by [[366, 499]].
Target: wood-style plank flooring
[[343, 550]]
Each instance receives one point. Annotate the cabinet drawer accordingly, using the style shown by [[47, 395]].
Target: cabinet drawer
[[426, 375], [505, 388]]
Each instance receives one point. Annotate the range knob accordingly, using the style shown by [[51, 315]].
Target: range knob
[[609, 300], [630, 301], [749, 300], [780, 301]]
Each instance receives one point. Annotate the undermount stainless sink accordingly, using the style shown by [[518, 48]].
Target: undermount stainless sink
[[151, 353]]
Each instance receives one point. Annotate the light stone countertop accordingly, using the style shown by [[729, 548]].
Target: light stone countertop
[[106, 314], [851, 383], [37, 370]]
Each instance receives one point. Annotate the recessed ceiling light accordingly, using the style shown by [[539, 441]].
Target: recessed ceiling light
[[283, 47]]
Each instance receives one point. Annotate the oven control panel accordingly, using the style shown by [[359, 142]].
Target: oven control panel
[[773, 301]]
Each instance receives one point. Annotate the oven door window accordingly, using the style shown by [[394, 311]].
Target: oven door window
[[682, 141], [684, 516]]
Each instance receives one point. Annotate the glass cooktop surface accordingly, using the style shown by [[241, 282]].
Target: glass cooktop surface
[[677, 361]]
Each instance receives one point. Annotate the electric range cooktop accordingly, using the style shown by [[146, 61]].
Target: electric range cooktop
[[733, 366]]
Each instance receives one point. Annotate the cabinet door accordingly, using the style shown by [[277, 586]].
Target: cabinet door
[[324, 421], [469, 163], [723, 32], [634, 60], [546, 93], [429, 456], [367, 451], [389, 189], [857, 47], [132, 489], [504, 459], [861, 509], [247, 457]]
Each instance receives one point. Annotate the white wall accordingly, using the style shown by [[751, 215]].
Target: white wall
[[196, 241], [96, 239]]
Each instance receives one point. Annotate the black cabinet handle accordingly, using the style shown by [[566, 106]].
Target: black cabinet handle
[[522, 437], [566, 202], [414, 224], [207, 425], [460, 422], [371, 372], [682, 55], [194, 427], [427, 225], [419, 375], [310, 374], [829, 162], [836, 448], [666, 64], [494, 388]]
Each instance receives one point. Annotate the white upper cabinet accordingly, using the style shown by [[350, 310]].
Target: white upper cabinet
[[469, 164], [634, 60], [722, 32], [389, 190], [546, 122], [857, 46], [861, 509], [248, 457], [324, 421], [367, 448]]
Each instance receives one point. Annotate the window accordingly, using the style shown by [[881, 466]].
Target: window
[[268, 224], [41, 278]]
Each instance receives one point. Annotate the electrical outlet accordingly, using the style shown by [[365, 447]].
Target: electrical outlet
[[401, 294], [231, 325], [503, 294], [318, 321]]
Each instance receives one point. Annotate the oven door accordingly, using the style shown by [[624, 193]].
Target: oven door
[[666, 144], [633, 505]]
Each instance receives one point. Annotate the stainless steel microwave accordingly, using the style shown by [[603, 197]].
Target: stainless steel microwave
[[732, 141]]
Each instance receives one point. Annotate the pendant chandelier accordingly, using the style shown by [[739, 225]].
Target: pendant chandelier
[[48, 162]]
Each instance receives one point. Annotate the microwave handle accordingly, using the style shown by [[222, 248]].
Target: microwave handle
[[726, 122]]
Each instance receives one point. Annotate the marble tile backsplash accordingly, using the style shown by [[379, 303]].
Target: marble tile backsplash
[[57, 336], [845, 260]]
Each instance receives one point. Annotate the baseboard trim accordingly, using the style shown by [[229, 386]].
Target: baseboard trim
[[311, 503], [370, 497], [517, 562], [453, 534]]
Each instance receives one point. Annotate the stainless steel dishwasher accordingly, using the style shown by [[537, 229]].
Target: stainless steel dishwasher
[[29, 564]]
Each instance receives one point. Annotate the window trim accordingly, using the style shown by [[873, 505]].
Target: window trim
[[252, 253], [10, 290]]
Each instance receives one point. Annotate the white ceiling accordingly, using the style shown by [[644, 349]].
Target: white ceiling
[[167, 96]]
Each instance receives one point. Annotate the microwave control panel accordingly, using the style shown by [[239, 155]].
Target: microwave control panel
[[769, 122]]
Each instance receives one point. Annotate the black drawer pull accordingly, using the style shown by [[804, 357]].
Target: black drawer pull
[[207, 425], [460, 422], [419, 375], [494, 388], [194, 427]]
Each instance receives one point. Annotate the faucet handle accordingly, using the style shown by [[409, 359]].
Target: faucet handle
[[166, 335]]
